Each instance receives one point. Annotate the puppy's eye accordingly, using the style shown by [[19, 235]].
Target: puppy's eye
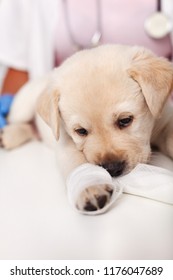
[[124, 122], [81, 131]]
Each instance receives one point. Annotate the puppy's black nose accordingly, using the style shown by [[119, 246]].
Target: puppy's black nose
[[115, 168]]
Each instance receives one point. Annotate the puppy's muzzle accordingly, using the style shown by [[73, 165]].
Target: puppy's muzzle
[[115, 168]]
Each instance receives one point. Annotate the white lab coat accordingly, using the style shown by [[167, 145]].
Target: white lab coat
[[31, 34]]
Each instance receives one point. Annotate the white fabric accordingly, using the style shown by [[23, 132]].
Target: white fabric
[[37, 221], [138, 182]]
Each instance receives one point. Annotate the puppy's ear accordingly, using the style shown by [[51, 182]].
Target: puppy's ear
[[47, 108], [155, 77]]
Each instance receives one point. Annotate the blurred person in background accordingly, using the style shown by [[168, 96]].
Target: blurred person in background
[[37, 35]]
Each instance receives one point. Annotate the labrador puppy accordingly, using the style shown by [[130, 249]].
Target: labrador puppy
[[105, 106]]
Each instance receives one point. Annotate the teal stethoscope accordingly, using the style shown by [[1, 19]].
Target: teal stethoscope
[[158, 25]]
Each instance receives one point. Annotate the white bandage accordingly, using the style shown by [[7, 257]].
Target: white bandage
[[144, 180]]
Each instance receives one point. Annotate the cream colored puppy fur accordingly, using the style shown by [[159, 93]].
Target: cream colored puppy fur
[[104, 106]]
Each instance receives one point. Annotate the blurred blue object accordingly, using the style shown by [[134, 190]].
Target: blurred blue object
[[5, 105], [3, 122]]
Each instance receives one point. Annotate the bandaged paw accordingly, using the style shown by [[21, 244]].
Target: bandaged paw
[[91, 190]]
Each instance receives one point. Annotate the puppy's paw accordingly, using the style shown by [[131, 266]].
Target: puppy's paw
[[94, 198], [15, 135]]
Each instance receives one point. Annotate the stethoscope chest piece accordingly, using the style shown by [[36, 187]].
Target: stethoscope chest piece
[[158, 25]]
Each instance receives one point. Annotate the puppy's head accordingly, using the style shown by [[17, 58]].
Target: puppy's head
[[107, 99]]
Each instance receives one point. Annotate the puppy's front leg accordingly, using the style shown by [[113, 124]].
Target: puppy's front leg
[[68, 156], [94, 196]]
